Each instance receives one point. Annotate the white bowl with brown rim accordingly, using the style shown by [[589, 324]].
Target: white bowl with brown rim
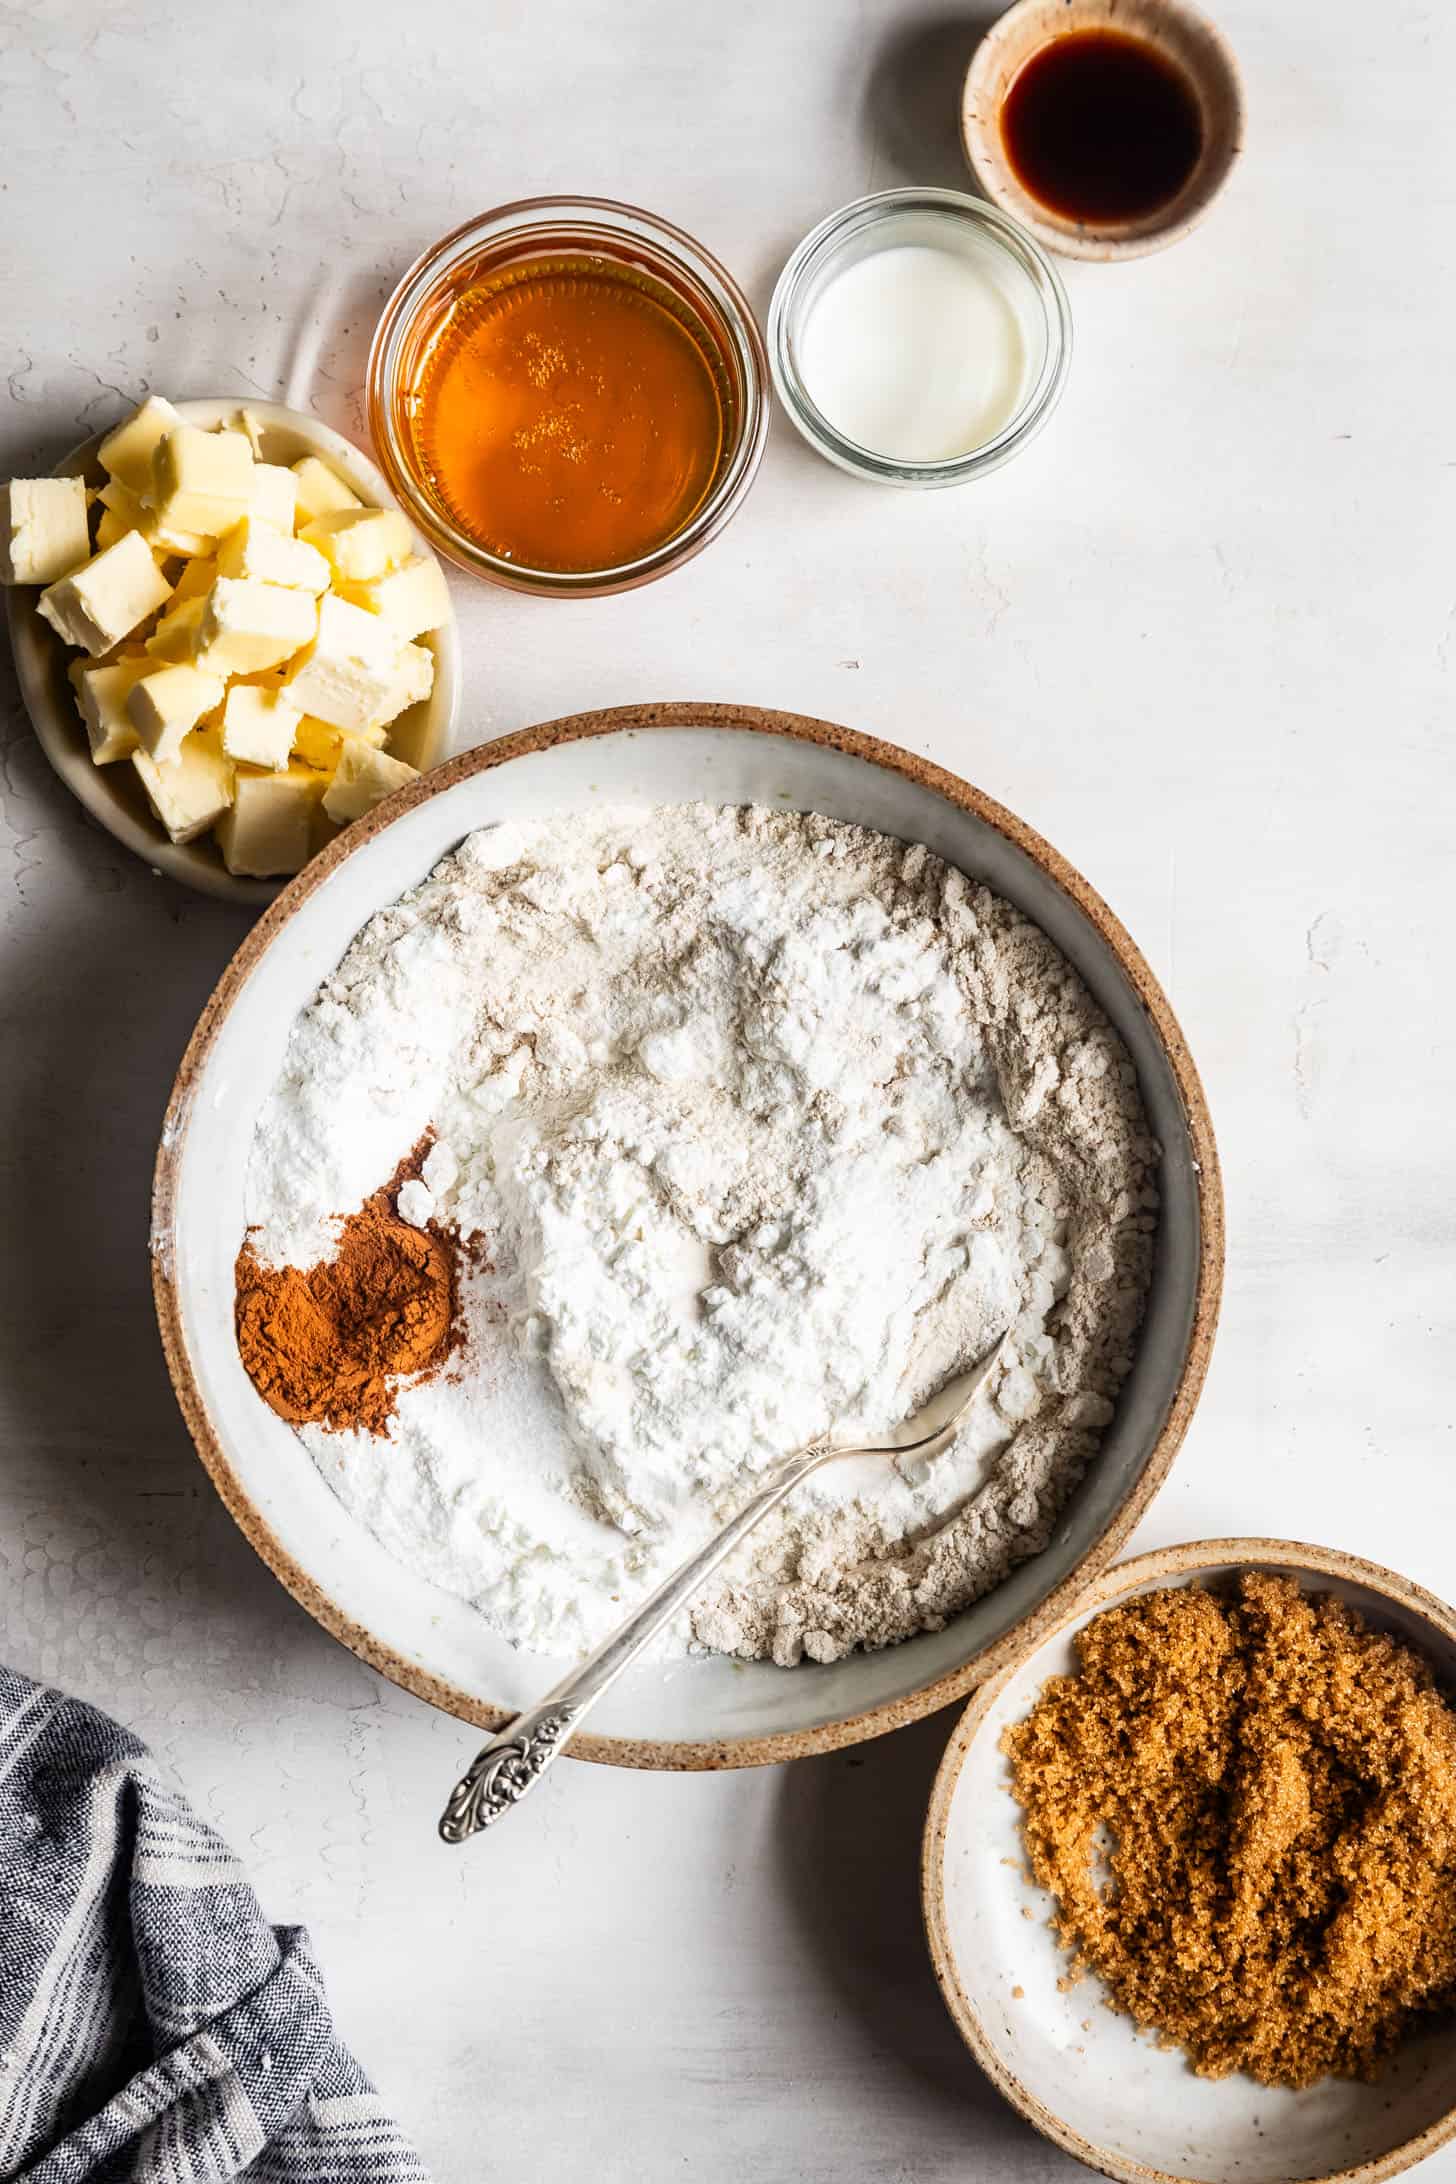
[[702, 1713], [1078, 2071], [1184, 38]]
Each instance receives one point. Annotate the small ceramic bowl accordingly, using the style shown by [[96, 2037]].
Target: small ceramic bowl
[[112, 794], [1082, 2074], [712, 1712], [1195, 46]]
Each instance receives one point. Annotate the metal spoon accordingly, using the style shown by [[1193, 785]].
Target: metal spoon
[[517, 1757]]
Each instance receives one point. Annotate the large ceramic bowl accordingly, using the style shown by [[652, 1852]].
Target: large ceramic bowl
[[703, 1713], [1081, 2074], [112, 794]]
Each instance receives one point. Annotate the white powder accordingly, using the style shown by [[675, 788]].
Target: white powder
[[760, 1124]]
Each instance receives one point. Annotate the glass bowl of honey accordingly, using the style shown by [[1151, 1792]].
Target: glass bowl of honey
[[569, 395]]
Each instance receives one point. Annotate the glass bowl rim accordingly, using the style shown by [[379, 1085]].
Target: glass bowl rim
[[1015, 242], [714, 293]]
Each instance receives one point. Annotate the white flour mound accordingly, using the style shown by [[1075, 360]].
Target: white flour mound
[[762, 1124]]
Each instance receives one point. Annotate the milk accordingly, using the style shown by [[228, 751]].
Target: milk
[[916, 351]]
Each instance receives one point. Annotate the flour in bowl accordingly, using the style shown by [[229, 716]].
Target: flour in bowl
[[747, 1124]]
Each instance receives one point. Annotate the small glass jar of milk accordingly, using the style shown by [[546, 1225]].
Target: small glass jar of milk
[[919, 337]]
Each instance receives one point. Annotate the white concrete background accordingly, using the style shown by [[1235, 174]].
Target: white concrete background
[[1201, 635]]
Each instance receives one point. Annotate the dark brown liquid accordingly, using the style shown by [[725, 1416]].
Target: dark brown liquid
[[1100, 128]]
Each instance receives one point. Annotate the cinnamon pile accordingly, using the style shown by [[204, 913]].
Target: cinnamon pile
[[326, 1345]]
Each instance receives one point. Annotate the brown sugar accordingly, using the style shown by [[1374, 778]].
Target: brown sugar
[[1245, 1807], [327, 1344]]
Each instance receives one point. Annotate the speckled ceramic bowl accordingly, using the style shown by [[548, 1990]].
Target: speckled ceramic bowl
[[112, 794], [702, 1713], [1197, 49], [1080, 2073]]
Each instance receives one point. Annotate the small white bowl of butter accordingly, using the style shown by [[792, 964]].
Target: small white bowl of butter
[[113, 793]]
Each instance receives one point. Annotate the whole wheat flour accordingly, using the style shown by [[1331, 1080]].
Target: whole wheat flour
[[752, 1124]]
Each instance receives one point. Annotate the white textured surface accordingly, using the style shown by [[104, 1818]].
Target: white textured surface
[[1201, 634]]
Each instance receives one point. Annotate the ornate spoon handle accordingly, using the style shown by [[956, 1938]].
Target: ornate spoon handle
[[517, 1757]]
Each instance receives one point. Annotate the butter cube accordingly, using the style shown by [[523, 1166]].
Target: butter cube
[[269, 827], [250, 425], [317, 744], [166, 704], [362, 779], [135, 515], [97, 605], [360, 543], [256, 549], [412, 598], [127, 452], [350, 670], [275, 496], [247, 626], [110, 527], [320, 490], [258, 726], [43, 529], [196, 578], [177, 635], [193, 792], [102, 689], [201, 481], [414, 678]]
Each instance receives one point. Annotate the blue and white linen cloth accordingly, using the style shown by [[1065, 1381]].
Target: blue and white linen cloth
[[154, 2028]]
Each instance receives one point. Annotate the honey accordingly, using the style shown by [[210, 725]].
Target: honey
[[568, 414]]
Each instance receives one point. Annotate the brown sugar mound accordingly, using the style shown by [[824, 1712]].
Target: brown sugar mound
[[1245, 1807], [326, 1345]]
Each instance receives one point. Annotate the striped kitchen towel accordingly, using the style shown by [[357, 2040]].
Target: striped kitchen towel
[[153, 2026]]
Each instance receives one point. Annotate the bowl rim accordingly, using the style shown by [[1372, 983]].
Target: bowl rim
[[1112, 241], [878, 1720], [1110, 1587], [184, 862]]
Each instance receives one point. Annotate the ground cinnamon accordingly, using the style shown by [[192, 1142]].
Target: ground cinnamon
[[1244, 1803], [328, 1344]]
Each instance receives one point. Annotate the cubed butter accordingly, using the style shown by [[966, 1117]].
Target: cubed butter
[[102, 689], [43, 529], [269, 826], [247, 626], [201, 481], [97, 605], [176, 636], [194, 579], [362, 779], [127, 452], [320, 489], [135, 515], [350, 670], [412, 598], [317, 744], [360, 543], [193, 792], [247, 422], [257, 549], [414, 678], [258, 726], [275, 496], [165, 705], [109, 528]]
